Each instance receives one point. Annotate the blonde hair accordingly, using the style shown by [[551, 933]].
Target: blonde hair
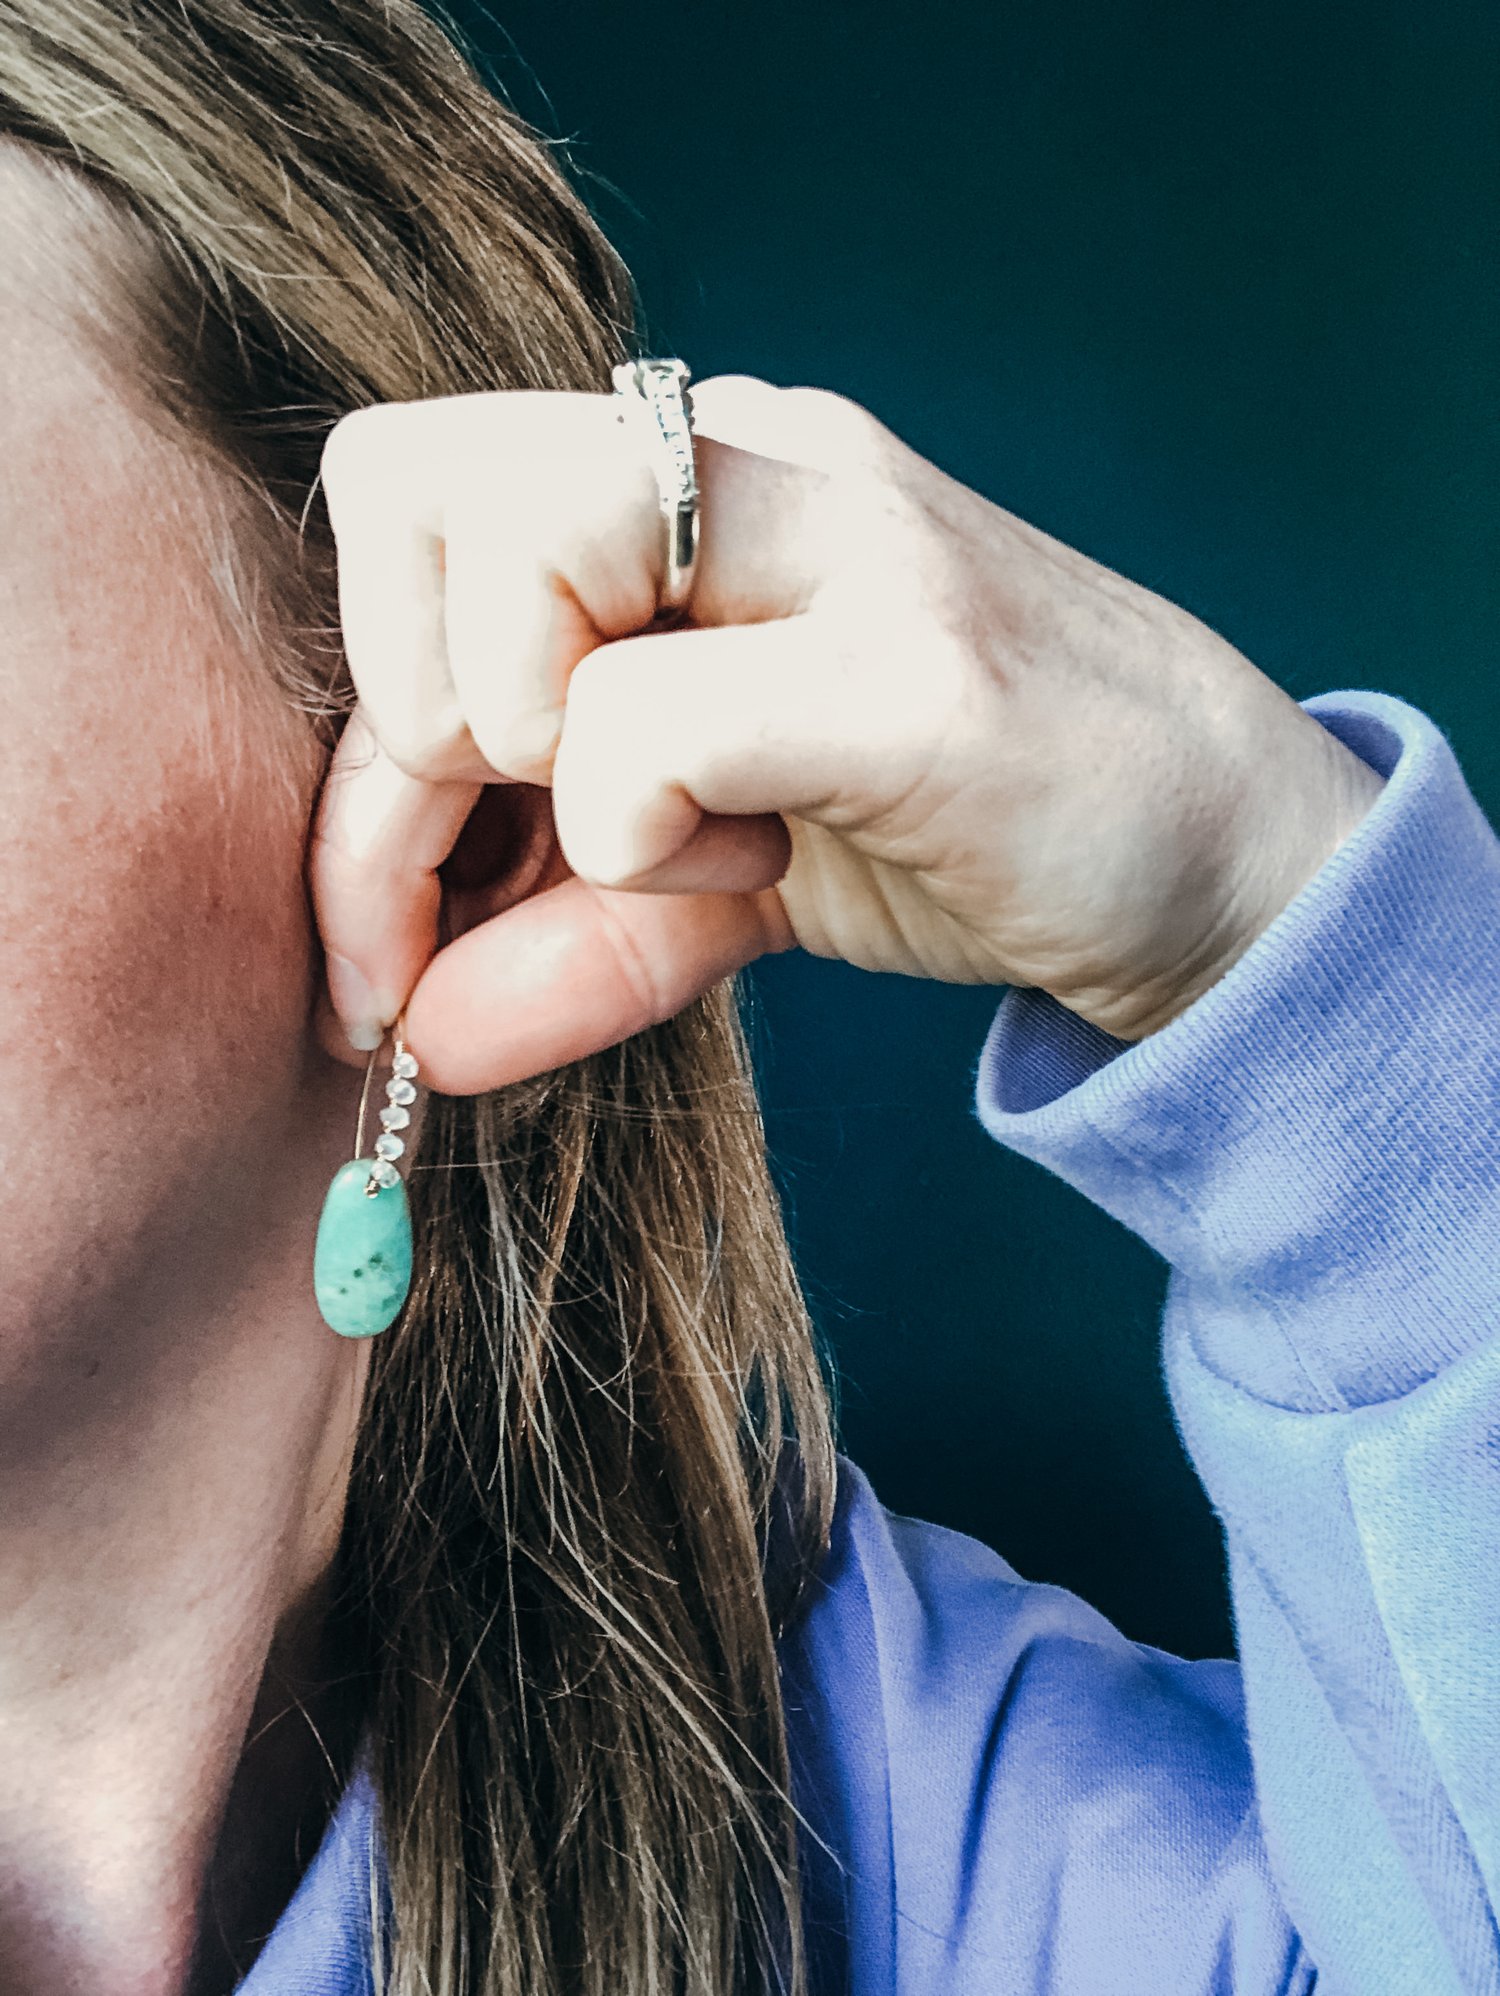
[[603, 1400]]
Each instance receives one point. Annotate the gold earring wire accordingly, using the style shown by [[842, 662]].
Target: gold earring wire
[[364, 1096]]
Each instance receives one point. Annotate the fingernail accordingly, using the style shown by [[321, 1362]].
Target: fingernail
[[356, 1003]]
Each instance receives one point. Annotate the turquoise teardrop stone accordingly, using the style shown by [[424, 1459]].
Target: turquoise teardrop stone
[[362, 1261]]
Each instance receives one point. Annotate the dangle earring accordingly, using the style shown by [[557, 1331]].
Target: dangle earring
[[362, 1261]]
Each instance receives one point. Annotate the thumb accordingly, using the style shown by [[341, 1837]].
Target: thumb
[[574, 970]]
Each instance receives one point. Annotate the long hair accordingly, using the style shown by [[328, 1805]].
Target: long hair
[[603, 1393]]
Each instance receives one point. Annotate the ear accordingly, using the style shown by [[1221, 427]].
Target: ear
[[506, 852]]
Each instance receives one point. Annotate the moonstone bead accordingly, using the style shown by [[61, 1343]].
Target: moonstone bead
[[362, 1260]]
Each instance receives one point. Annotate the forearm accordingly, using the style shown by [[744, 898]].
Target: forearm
[[1311, 1146]]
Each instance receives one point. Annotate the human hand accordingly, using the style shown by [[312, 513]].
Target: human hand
[[900, 727]]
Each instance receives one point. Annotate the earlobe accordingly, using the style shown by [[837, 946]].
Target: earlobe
[[328, 1029]]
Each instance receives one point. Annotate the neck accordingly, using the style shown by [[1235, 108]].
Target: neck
[[173, 1466]]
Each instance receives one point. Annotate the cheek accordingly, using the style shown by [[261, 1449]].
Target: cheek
[[145, 909], [155, 939], [155, 945], [154, 786]]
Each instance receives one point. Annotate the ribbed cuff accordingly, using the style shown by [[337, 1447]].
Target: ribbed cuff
[[1313, 1143]]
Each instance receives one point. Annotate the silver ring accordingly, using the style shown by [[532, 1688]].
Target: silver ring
[[656, 393]]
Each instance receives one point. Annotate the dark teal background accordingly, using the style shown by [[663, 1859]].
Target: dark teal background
[[1207, 291]]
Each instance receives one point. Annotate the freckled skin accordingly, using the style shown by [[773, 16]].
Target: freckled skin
[[175, 1419], [152, 976]]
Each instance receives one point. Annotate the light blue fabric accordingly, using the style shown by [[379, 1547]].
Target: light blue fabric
[[1008, 1797]]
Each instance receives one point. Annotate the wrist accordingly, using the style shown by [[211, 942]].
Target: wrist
[[1291, 839]]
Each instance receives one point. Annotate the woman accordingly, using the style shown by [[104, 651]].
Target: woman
[[540, 1645]]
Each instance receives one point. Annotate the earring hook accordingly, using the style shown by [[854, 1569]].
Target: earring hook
[[364, 1094]]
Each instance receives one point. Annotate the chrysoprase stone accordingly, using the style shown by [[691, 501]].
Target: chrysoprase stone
[[362, 1261]]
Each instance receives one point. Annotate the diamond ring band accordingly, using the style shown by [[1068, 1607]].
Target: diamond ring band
[[654, 393]]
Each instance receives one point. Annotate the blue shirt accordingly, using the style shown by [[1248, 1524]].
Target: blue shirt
[[1008, 1796]]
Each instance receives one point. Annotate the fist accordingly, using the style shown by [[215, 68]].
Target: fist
[[898, 726]]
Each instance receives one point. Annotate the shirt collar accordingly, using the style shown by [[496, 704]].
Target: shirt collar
[[321, 1944]]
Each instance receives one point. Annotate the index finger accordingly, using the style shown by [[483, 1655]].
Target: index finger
[[377, 841]]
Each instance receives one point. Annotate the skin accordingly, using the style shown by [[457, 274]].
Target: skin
[[175, 1419], [902, 727], [909, 731]]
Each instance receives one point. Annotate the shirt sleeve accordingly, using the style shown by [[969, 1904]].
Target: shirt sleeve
[[1313, 1148]]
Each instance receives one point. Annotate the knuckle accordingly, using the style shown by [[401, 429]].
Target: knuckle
[[373, 449], [433, 748], [412, 757], [731, 388], [803, 425], [520, 746], [433, 761], [827, 409], [839, 418], [346, 446], [596, 684], [621, 701]]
